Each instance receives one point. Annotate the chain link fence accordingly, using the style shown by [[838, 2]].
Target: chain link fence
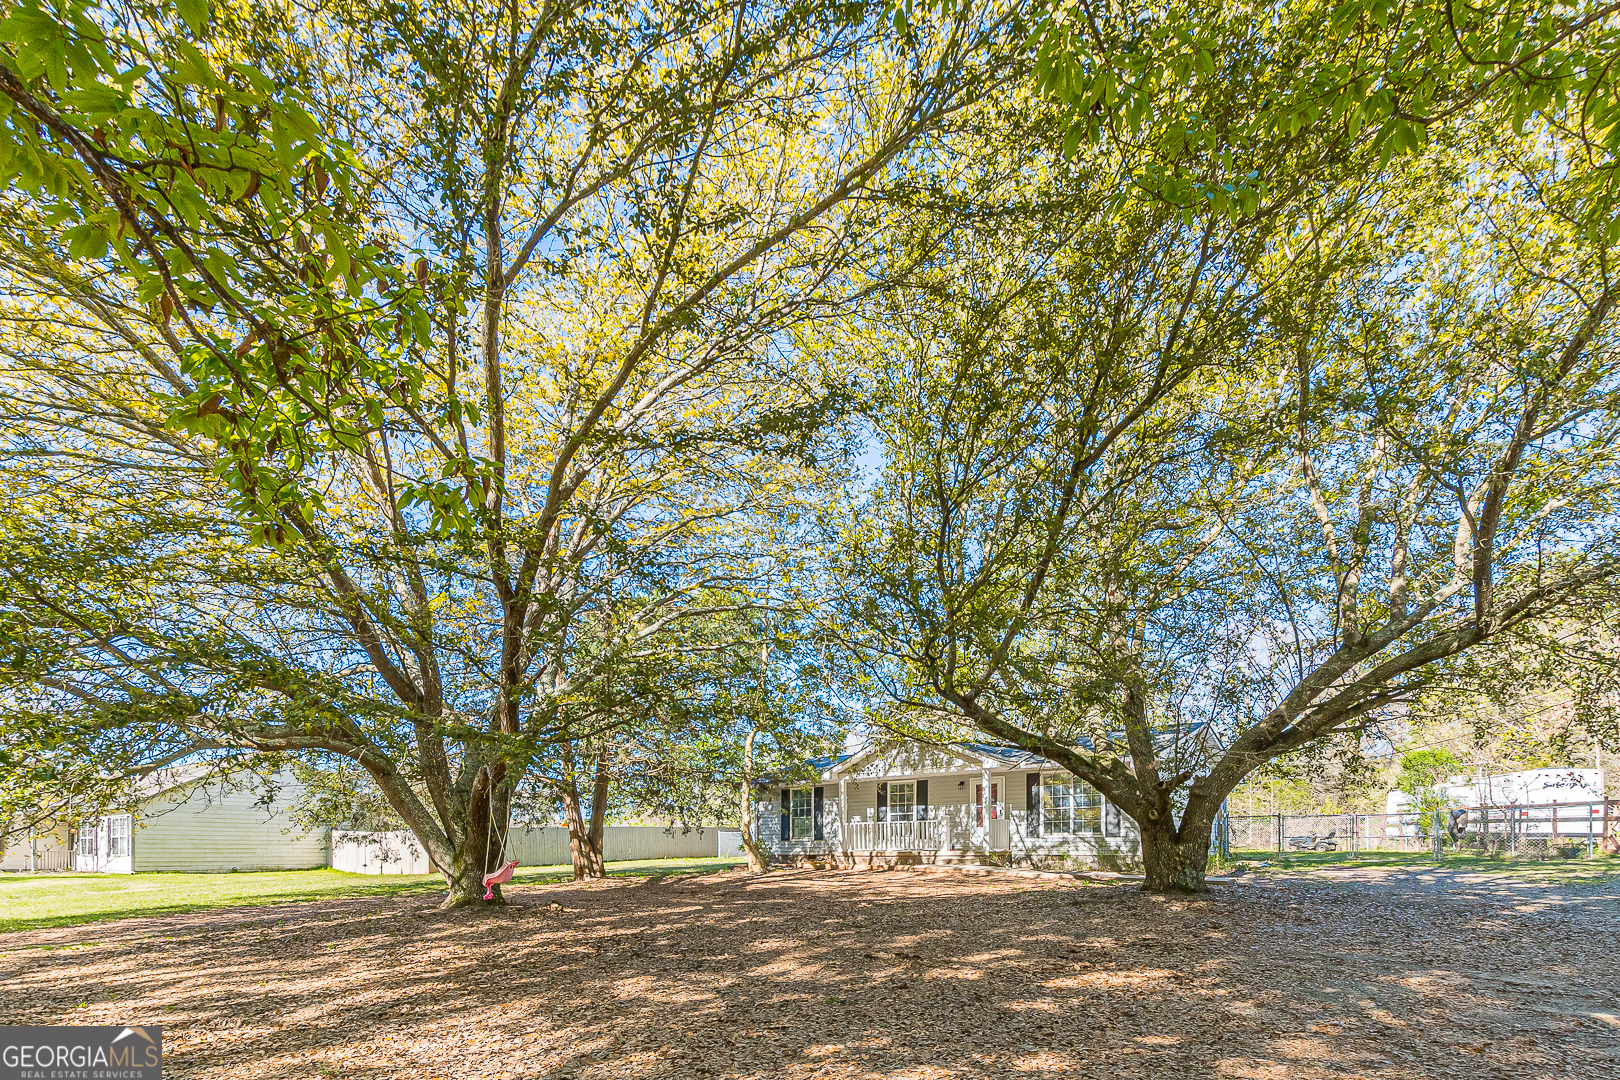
[[1541, 831]]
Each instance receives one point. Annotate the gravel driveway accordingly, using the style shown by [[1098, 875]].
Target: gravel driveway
[[856, 974]]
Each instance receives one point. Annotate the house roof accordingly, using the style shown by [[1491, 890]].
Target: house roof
[[998, 755], [172, 776], [1009, 755], [973, 755], [822, 765]]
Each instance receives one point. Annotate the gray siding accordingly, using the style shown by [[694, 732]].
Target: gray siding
[[1124, 849], [216, 827], [769, 812]]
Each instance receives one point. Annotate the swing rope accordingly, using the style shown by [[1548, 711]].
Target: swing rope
[[504, 874]]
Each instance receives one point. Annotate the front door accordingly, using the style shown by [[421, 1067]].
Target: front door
[[984, 803], [990, 813]]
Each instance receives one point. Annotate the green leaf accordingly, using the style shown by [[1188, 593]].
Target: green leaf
[[195, 14]]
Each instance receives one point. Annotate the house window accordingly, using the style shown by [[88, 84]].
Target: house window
[[903, 801], [1069, 805], [117, 836], [804, 825]]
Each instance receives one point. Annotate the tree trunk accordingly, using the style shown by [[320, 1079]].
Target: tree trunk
[[599, 798], [482, 850], [585, 838], [1175, 860], [748, 824], [466, 886]]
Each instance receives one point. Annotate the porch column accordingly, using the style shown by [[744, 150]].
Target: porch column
[[986, 830], [843, 812]]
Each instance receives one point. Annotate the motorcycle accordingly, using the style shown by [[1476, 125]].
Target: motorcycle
[[1315, 843]]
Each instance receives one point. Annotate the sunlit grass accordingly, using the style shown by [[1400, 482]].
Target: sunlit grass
[[1553, 871], [37, 901]]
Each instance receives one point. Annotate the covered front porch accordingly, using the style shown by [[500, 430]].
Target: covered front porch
[[933, 836], [904, 802], [944, 814], [936, 803]]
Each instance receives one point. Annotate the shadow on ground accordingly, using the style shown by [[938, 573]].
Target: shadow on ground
[[853, 974]]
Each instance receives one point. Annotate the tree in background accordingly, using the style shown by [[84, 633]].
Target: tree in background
[[1422, 774], [1543, 698], [754, 697], [413, 384]]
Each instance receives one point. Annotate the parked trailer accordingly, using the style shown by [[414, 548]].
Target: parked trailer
[[1542, 830]]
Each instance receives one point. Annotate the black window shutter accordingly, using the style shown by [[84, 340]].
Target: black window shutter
[[1032, 802], [787, 810], [883, 802], [820, 805], [922, 800]]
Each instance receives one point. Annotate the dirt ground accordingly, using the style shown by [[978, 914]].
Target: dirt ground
[[1370, 973]]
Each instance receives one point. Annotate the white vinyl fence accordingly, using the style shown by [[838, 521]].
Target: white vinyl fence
[[378, 853], [400, 853]]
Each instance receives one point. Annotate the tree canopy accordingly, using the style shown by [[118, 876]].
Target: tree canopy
[[1176, 487], [463, 395], [393, 379]]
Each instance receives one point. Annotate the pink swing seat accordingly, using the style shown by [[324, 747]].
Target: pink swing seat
[[499, 877]]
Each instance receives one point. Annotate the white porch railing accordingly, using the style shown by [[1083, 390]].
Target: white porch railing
[[896, 835], [999, 836]]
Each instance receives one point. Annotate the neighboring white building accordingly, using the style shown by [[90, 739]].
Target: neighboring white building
[[900, 802], [188, 821]]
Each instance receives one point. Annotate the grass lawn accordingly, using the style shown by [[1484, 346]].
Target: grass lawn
[[36, 901], [1553, 871]]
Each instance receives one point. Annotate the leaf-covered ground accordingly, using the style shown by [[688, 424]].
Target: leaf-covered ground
[[1377, 972]]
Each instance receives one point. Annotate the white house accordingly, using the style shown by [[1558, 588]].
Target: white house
[[189, 821], [906, 802]]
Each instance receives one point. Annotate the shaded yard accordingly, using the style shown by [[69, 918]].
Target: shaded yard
[[34, 901], [1378, 972]]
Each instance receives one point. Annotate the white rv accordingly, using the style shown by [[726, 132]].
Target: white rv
[[1532, 799]]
